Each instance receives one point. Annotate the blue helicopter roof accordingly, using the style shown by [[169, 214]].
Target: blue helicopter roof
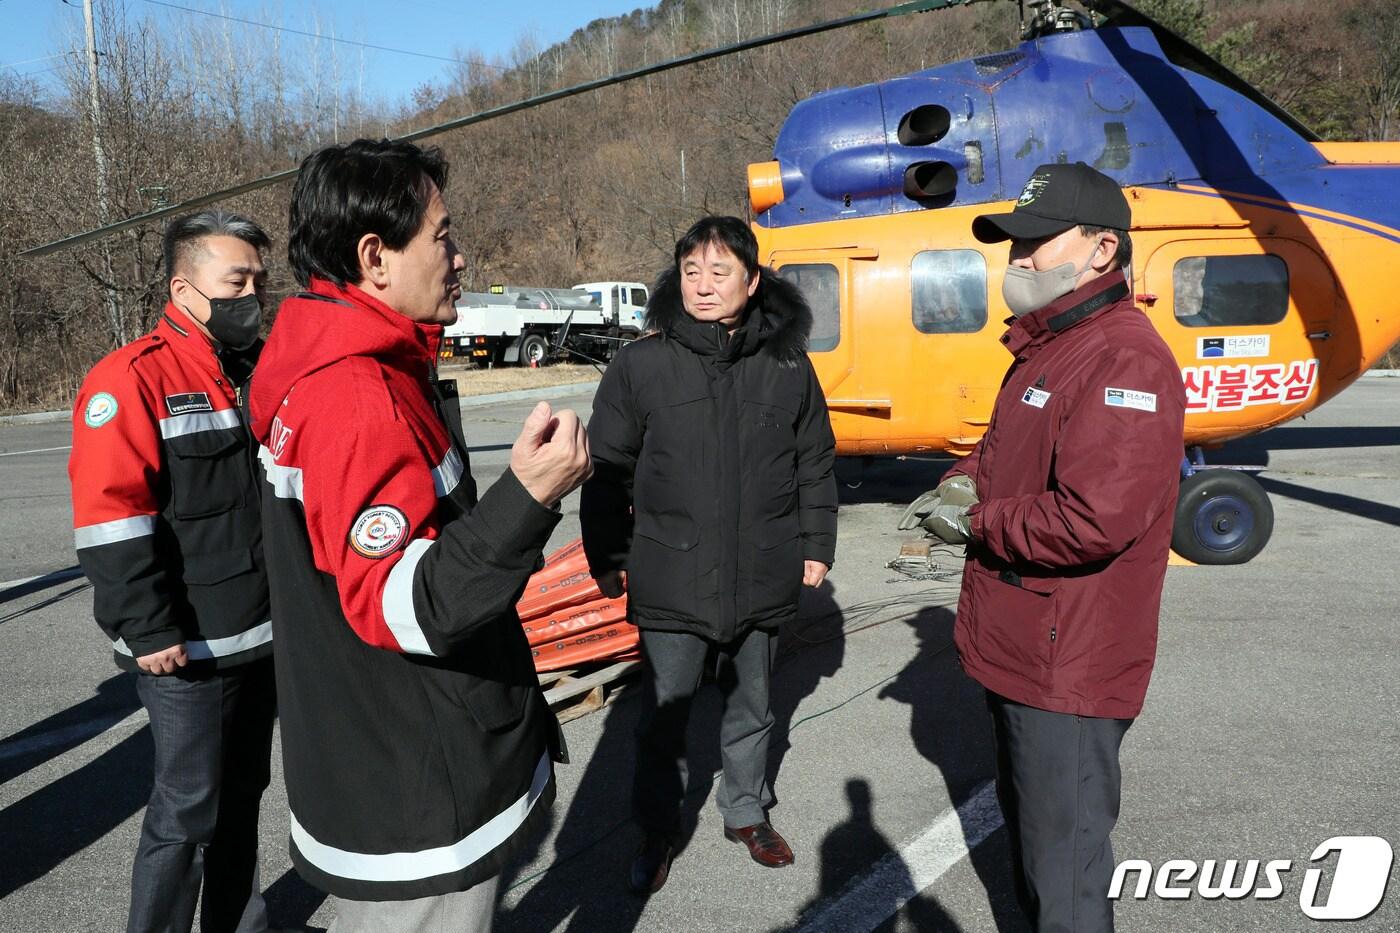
[[1108, 97]]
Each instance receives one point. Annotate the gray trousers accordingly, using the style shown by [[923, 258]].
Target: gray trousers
[[213, 742], [469, 911], [675, 662], [1058, 783]]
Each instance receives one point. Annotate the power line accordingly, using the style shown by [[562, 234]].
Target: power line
[[901, 9], [312, 35], [30, 61]]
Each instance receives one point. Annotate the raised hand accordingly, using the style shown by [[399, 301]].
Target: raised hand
[[550, 457]]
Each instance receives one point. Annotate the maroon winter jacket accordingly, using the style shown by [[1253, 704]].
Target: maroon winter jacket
[[1077, 477]]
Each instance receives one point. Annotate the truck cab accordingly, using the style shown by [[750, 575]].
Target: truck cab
[[628, 300]]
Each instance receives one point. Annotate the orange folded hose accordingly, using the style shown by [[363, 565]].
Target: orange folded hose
[[567, 621], [566, 582], [597, 645], [575, 619]]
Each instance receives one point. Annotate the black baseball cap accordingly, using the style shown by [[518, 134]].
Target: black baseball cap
[[1058, 196]]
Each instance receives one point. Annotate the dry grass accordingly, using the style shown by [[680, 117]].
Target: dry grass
[[471, 381]]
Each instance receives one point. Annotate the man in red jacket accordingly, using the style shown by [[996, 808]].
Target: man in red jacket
[[1067, 548], [166, 526], [416, 744]]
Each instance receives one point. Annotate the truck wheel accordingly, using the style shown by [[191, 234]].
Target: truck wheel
[[533, 350], [1222, 517]]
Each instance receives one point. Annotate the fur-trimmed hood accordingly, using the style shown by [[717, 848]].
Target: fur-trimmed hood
[[777, 321]]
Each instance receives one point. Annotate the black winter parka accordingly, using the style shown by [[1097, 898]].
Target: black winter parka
[[713, 462]]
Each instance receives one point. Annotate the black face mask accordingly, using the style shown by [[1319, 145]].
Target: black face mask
[[234, 322]]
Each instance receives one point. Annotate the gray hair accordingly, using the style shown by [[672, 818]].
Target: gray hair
[[184, 237]]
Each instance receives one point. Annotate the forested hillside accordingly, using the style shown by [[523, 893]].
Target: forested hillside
[[595, 187]]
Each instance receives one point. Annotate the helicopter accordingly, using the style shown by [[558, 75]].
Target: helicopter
[[1255, 244]]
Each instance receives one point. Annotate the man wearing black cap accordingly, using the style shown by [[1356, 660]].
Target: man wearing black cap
[[1066, 508]]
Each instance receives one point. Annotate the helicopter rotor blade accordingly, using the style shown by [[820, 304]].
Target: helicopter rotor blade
[[901, 9], [1182, 52]]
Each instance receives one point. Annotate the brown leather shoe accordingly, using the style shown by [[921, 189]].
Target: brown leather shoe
[[765, 845], [652, 866]]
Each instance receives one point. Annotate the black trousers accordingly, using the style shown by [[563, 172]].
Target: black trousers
[[675, 662], [1058, 782], [213, 744]]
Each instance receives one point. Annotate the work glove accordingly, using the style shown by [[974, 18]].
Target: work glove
[[955, 490], [949, 523]]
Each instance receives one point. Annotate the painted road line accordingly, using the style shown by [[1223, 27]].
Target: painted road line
[[42, 580], [71, 735], [41, 450], [871, 899]]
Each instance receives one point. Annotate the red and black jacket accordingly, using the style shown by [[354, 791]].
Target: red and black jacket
[[416, 741], [165, 503], [1078, 476]]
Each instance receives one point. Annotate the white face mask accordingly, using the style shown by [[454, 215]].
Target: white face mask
[[1026, 290]]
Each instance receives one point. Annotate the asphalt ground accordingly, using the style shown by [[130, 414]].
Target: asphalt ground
[[1271, 724]]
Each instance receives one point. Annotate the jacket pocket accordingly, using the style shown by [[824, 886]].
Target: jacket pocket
[[775, 575], [495, 706], [216, 566], [661, 569], [209, 473], [1016, 620]]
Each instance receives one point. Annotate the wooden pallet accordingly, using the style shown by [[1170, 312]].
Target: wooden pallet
[[572, 694]]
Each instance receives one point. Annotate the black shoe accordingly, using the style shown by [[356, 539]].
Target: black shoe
[[652, 865]]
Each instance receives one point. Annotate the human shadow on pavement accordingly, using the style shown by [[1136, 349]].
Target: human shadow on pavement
[[114, 700], [594, 846], [810, 650], [41, 831], [854, 849], [291, 902], [952, 729], [597, 838]]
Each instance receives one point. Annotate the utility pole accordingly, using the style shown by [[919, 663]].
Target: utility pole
[[114, 314]]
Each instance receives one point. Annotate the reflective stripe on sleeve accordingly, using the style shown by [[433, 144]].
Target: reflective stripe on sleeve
[[194, 422], [397, 601], [204, 650], [285, 480], [120, 529], [427, 863], [448, 473]]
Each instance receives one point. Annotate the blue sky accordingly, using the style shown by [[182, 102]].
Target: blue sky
[[34, 29]]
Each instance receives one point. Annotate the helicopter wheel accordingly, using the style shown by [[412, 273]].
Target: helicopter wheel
[[1222, 517]]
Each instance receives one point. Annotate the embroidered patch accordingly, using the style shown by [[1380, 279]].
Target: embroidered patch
[[1130, 398], [1035, 186], [379, 531], [1036, 397], [101, 408], [186, 402]]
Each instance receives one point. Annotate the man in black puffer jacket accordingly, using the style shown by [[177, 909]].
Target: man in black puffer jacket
[[712, 502]]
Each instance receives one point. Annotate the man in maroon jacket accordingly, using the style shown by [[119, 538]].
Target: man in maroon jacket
[[1072, 493]]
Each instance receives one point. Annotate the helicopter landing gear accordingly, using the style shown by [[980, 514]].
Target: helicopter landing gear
[[1223, 515]]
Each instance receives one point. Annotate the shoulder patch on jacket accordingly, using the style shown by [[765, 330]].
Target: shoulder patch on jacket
[[1130, 398], [101, 408], [379, 531]]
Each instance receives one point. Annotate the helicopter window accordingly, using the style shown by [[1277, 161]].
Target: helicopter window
[[950, 291], [1230, 291], [819, 284]]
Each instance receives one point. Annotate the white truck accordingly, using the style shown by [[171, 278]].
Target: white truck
[[530, 326]]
